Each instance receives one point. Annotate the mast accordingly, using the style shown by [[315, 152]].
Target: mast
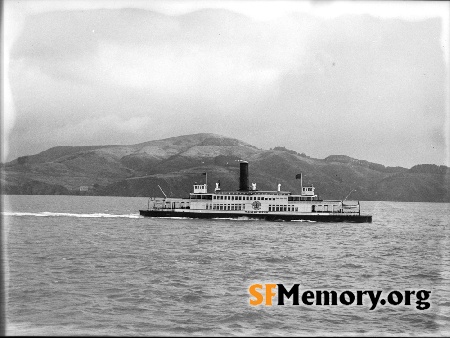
[[162, 191]]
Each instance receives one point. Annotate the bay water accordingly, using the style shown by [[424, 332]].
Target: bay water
[[82, 265]]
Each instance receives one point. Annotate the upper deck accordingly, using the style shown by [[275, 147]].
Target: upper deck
[[250, 200]]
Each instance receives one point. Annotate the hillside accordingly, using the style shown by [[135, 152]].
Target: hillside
[[176, 163]]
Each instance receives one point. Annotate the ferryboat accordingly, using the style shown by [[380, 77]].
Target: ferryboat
[[250, 203]]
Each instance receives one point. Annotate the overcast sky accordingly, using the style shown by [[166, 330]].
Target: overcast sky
[[363, 79]]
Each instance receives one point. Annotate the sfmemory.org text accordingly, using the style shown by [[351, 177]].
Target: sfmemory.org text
[[264, 294]]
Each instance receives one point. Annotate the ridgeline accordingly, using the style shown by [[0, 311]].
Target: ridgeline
[[177, 163]]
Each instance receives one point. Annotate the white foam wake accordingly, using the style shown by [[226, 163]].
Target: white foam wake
[[239, 218], [65, 214]]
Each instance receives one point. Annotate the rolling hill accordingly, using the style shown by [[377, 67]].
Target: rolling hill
[[176, 163]]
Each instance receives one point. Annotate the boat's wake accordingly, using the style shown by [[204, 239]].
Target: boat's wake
[[65, 214], [170, 217], [241, 218]]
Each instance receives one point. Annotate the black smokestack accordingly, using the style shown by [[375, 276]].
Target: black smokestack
[[243, 179]]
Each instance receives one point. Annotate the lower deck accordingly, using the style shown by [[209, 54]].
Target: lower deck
[[261, 215]]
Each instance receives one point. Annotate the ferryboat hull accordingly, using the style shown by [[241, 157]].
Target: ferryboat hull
[[327, 217]]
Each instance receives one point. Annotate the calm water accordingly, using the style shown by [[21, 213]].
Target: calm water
[[92, 266]]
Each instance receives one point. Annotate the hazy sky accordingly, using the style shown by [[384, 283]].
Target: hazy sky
[[365, 79]]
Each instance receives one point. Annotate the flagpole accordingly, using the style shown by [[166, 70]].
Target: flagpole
[[206, 182]]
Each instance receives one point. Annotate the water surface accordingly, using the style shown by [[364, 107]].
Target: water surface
[[92, 266]]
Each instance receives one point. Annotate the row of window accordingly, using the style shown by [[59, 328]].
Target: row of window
[[298, 198], [201, 197], [242, 207], [225, 206], [247, 198], [283, 208]]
